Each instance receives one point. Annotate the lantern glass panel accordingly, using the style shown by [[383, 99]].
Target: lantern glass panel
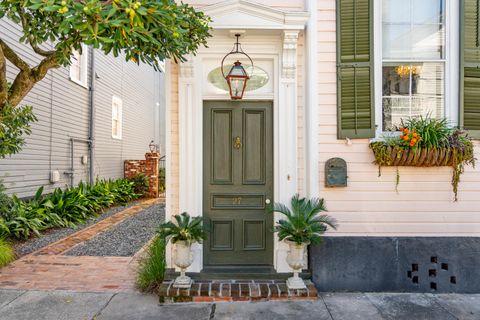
[[237, 86]]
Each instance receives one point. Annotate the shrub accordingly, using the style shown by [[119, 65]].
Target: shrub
[[63, 208], [15, 125], [140, 183], [7, 254], [152, 267], [5, 200], [161, 180]]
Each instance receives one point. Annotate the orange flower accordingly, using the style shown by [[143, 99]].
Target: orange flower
[[401, 136], [406, 138], [415, 134], [401, 129], [414, 140]]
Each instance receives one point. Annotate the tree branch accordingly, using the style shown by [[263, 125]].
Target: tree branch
[[46, 64], [39, 50], [25, 80], [13, 57], [35, 48], [3, 79]]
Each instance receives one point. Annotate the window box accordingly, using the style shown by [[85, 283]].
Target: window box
[[425, 142]]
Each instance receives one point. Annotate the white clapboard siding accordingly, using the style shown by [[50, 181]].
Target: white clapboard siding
[[61, 107]]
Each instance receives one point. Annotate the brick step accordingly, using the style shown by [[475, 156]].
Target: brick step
[[235, 290]]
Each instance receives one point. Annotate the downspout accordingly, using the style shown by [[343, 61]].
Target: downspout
[[91, 118]]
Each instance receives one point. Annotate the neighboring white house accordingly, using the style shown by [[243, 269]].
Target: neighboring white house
[[383, 233], [84, 134]]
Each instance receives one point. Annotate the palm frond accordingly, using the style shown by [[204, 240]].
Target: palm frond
[[183, 228], [302, 223]]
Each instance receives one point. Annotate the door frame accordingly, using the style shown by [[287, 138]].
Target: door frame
[[281, 49]]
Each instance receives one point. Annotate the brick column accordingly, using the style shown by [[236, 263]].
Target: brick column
[[133, 168], [151, 171]]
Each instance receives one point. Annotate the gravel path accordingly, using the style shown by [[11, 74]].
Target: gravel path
[[52, 235], [126, 238]]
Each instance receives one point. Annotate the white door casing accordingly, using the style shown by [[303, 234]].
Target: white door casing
[[270, 36]]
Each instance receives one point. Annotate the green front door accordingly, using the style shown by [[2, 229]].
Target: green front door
[[238, 183]]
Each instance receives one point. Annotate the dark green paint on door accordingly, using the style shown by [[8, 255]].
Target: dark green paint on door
[[237, 181]]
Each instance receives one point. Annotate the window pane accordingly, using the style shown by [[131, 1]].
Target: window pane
[[258, 77], [413, 29], [411, 90]]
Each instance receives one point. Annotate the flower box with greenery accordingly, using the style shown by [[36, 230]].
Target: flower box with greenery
[[303, 226], [183, 231], [426, 142]]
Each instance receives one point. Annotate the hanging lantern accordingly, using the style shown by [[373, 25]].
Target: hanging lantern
[[237, 78]]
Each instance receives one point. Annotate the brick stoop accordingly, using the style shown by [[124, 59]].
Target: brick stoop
[[235, 290]]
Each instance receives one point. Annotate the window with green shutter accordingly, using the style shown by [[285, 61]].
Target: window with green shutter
[[355, 96], [470, 67]]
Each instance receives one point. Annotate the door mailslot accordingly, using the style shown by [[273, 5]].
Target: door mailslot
[[335, 173]]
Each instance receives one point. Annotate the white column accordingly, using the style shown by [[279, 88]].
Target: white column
[[190, 143], [312, 174], [168, 159], [287, 134]]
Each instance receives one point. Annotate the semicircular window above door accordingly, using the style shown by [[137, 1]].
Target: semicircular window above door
[[258, 79]]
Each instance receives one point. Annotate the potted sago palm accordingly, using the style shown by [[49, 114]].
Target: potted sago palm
[[183, 231], [302, 225]]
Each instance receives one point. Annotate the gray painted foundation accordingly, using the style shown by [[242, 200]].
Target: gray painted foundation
[[404, 264]]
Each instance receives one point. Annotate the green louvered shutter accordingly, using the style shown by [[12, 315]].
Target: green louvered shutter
[[470, 67], [355, 97]]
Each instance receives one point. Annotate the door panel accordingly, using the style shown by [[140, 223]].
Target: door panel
[[221, 147], [238, 178], [254, 149]]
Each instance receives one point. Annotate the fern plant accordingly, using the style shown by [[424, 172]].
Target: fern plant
[[183, 228], [303, 224]]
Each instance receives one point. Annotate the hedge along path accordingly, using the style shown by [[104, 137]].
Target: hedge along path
[[48, 269]]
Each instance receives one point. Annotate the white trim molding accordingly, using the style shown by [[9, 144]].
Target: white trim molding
[[245, 14], [272, 36], [190, 152], [312, 162], [287, 136], [80, 61]]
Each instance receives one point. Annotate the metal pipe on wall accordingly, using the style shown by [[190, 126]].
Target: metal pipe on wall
[[72, 156]]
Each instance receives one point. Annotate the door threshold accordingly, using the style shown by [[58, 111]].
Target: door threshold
[[237, 273]]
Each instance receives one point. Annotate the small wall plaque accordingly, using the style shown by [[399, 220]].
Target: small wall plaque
[[335, 173]]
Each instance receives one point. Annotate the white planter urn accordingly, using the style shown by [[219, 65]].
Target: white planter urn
[[183, 259], [296, 261]]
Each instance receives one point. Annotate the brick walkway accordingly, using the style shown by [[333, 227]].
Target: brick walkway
[[48, 269]]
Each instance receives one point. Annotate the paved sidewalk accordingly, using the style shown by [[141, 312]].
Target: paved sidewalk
[[52, 305]]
